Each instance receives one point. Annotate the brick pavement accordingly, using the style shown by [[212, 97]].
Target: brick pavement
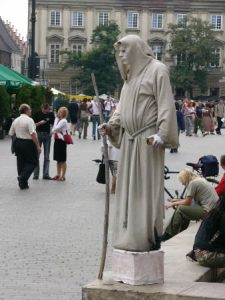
[[51, 234]]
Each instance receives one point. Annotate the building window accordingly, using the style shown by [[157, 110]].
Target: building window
[[157, 50], [132, 20], [181, 20], [74, 89], [77, 48], [55, 19], [217, 56], [77, 19], [216, 22], [54, 53], [103, 18], [157, 21]]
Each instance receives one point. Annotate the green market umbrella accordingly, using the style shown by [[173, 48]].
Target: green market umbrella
[[13, 80]]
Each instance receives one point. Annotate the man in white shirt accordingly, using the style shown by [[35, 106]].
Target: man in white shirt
[[26, 145]]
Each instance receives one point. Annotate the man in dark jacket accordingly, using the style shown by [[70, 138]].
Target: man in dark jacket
[[44, 119]]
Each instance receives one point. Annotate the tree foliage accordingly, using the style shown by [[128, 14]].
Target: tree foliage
[[4, 105], [34, 96], [192, 46], [100, 61]]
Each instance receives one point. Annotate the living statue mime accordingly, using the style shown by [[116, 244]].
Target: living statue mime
[[146, 110]]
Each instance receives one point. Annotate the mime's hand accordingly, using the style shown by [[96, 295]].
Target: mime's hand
[[155, 140]]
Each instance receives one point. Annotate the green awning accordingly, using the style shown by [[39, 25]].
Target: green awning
[[12, 79]]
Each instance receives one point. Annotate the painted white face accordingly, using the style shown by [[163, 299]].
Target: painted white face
[[123, 55]]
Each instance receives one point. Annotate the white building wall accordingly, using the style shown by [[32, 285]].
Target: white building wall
[[145, 25], [90, 24], [42, 33]]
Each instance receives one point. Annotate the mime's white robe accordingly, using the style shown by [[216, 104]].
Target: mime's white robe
[[146, 101]]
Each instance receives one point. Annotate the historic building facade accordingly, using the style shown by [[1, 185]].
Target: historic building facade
[[69, 24], [12, 47]]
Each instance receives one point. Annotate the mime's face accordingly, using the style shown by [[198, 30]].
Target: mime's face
[[123, 55]]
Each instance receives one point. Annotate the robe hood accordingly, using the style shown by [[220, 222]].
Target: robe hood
[[139, 54]]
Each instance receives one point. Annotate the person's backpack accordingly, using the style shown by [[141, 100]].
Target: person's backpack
[[209, 165]]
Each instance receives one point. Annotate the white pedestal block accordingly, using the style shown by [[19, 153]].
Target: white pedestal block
[[138, 268]]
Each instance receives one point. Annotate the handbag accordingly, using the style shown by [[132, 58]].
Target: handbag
[[68, 139], [101, 173]]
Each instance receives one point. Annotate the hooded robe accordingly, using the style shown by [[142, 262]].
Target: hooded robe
[[146, 107]]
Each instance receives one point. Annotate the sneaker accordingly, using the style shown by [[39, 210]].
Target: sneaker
[[191, 256], [35, 178]]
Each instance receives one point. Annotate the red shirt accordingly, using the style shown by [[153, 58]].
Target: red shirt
[[220, 189]]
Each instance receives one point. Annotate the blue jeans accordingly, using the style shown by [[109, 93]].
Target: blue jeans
[[106, 115], [45, 139], [95, 122]]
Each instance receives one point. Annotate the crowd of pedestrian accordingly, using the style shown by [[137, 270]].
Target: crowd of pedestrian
[[206, 117], [81, 113], [198, 116], [34, 131]]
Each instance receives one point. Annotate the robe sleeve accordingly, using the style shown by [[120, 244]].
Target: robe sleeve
[[166, 119], [117, 131]]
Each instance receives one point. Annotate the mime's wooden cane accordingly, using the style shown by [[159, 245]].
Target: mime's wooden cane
[[107, 194]]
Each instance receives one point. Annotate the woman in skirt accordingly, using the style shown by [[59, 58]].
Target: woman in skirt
[[60, 147]]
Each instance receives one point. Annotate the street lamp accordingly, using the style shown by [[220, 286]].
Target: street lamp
[[33, 67]]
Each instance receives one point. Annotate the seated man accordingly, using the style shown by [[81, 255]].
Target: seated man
[[209, 244], [204, 196]]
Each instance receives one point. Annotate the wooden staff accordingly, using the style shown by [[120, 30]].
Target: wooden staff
[[107, 194]]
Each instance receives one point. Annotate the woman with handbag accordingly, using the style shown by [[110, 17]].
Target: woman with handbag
[[60, 147]]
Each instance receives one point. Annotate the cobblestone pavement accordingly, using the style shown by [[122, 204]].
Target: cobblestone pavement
[[51, 234]]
